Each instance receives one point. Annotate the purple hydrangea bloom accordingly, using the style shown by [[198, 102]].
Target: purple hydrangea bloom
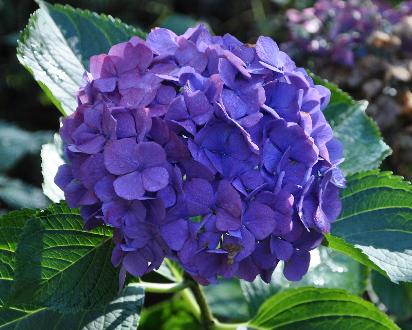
[[205, 150]]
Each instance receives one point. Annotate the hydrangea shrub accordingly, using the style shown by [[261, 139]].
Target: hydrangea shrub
[[211, 162]]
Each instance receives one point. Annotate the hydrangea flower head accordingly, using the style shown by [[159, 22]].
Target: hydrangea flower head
[[205, 150]]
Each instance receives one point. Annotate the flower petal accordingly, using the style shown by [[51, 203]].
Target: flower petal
[[155, 178], [129, 186]]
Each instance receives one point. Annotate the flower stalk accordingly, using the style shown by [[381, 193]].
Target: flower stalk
[[206, 316], [164, 287]]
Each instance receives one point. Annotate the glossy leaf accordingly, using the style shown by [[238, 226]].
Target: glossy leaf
[[328, 269], [121, 313], [60, 265], [364, 148], [397, 298], [320, 309], [11, 227], [377, 220], [57, 43]]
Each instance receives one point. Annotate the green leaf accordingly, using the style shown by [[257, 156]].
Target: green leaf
[[61, 266], [121, 313], [315, 308], [226, 300], [377, 220], [11, 226], [51, 158], [397, 298], [18, 194], [57, 43], [328, 269], [364, 148], [16, 142], [343, 247]]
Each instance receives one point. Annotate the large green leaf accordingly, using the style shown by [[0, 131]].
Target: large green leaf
[[376, 222], [315, 308], [364, 148], [397, 298], [61, 266], [121, 313], [343, 247], [57, 43], [11, 226], [328, 269]]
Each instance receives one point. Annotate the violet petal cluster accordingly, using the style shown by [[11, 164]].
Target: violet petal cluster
[[205, 150], [339, 30]]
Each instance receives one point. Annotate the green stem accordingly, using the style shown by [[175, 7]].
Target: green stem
[[163, 287], [228, 326], [186, 294], [206, 316], [195, 298]]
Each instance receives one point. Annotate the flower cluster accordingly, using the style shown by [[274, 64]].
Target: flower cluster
[[205, 150], [339, 30]]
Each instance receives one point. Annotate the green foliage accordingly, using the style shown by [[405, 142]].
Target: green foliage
[[57, 43], [397, 298], [121, 313], [328, 269], [364, 147], [377, 220], [11, 226], [62, 266], [314, 308], [173, 314]]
